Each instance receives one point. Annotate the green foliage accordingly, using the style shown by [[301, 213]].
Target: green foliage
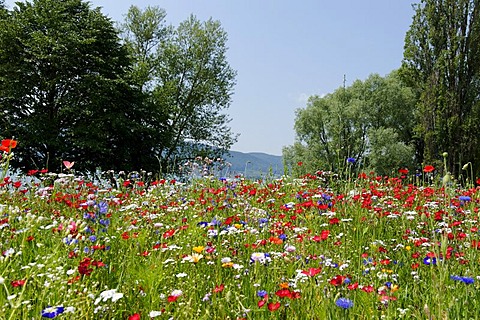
[[352, 123], [388, 153], [185, 75], [442, 61], [63, 86]]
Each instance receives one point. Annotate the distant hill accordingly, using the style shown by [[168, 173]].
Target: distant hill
[[254, 164]]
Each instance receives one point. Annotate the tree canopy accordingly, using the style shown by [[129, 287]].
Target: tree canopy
[[185, 75], [72, 89], [442, 62], [63, 91], [368, 123]]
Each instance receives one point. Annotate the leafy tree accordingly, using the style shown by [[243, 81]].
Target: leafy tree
[[353, 122], [188, 82], [63, 87], [442, 61]]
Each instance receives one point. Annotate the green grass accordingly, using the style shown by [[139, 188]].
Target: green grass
[[366, 240]]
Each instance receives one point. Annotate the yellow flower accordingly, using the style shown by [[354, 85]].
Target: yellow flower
[[238, 225], [227, 265], [394, 288], [283, 285], [408, 248], [198, 249]]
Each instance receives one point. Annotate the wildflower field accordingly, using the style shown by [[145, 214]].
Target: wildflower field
[[318, 247]]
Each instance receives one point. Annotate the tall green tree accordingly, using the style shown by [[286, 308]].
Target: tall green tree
[[188, 81], [369, 122], [442, 61], [63, 87]]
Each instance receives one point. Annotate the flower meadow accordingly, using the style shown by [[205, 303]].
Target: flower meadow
[[316, 247]]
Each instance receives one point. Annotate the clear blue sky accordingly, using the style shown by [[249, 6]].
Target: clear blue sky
[[286, 51]]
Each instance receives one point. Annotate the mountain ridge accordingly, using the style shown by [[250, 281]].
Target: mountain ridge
[[254, 164]]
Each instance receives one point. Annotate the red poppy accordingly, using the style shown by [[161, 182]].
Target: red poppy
[[367, 289], [135, 316], [8, 145], [219, 288], [17, 283], [353, 286], [284, 293], [312, 271], [403, 171], [337, 280], [273, 306], [428, 168], [169, 233]]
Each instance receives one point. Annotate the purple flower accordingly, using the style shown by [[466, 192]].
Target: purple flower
[[344, 303]]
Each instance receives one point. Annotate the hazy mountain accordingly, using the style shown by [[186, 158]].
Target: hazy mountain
[[254, 164]]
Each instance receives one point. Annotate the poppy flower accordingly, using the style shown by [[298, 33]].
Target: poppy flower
[[68, 164], [337, 280], [284, 293], [428, 169], [135, 316], [7, 145], [273, 306], [219, 288], [312, 272]]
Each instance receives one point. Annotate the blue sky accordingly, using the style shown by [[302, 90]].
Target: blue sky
[[286, 51]]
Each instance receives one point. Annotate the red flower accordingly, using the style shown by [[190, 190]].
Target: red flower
[[273, 306], [403, 171], [428, 169], [368, 289], [353, 286], [7, 145], [17, 283], [219, 288], [284, 293], [135, 316], [337, 280], [312, 271], [169, 233], [334, 221]]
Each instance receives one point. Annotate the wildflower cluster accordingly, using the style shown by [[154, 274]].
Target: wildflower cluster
[[376, 247]]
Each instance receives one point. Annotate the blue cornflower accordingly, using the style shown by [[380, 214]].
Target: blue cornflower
[[262, 220], [202, 224], [283, 236], [261, 293], [92, 238], [52, 312], [429, 261], [464, 198], [102, 207], [105, 222], [344, 303], [466, 280], [350, 160], [215, 222]]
